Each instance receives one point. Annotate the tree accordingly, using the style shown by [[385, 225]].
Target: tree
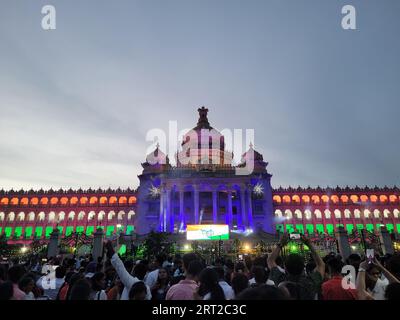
[[157, 243]]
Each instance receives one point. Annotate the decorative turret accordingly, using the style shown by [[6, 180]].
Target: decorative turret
[[253, 156], [156, 160]]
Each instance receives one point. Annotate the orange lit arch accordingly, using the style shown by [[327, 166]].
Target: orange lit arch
[[93, 200], [277, 199], [84, 200], [4, 201], [325, 198], [364, 198], [73, 200], [354, 198], [373, 198], [296, 198], [34, 201], [112, 200], [305, 199], [392, 198], [64, 200], [132, 200], [335, 199], [383, 198], [315, 199], [122, 200], [103, 200], [54, 200], [286, 199], [24, 201], [14, 201], [44, 200], [344, 198]]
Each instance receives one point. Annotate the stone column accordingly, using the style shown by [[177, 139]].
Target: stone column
[[386, 241], [250, 206], [243, 206], [214, 200], [181, 212], [229, 213], [196, 204], [161, 208], [53, 249], [169, 214], [343, 242], [97, 250]]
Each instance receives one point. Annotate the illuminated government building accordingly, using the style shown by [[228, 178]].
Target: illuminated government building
[[206, 189]]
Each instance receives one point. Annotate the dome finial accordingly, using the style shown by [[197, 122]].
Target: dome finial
[[203, 120], [251, 145]]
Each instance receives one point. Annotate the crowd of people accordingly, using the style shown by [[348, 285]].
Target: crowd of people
[[274, 276]]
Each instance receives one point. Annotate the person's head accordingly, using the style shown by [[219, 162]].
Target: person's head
[[138, 291], [230, 266], [221, 273], [260, 261], [74, 279], [240, 267], [177, 263], [91, 267], [279, 261], [163, 275], [98, 281], [175, 280], [294, 264], [80, 290], [263, 292], [2, 273], [289, 290], [194, 269], [239, 283], [159, 260], [6, 290], [140, 271], [260, 276], [372, 275], [209, 284], [392, 291], [26, 284], [60, 272], [15, 273], [335, 266], [393, 265], [310, 266], [218, 262], [187, 259], [354, 259]]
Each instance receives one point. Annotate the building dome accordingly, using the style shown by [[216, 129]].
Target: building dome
[[157, 157], [203, 144]]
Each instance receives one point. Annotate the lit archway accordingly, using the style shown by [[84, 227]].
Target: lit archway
[[21, 216], [327, 214], [277, 199], [131, 214]]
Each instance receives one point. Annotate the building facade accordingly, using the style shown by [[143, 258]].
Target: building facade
[[203, 187]]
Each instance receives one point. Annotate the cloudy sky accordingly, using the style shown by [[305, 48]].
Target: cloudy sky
[[76, 103]]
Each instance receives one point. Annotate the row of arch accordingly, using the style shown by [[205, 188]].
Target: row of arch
[[337, 214], [34, 201], [316, 199], [61, 216]]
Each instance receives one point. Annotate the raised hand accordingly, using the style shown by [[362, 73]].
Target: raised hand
[[110, 249]]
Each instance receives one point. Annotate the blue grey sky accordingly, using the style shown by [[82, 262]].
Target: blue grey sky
[[76, 103]]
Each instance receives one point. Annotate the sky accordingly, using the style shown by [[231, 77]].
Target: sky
[[77, 102]]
